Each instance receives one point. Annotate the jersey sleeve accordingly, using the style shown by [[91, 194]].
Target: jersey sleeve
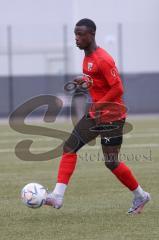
[[109, 72]]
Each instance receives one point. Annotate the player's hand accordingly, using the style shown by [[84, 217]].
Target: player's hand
[[83, 82], [79, 80], [75, 83]]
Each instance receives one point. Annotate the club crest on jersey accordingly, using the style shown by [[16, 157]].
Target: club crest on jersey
[[90, 66], [114, 72]]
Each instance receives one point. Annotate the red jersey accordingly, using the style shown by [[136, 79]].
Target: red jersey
[[107, 84]]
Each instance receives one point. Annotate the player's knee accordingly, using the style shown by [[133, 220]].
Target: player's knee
[[71, 147], [111, 161], [68, 149]]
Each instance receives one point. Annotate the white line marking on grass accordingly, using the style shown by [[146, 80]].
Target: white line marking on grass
[[22, 139], [140, 145], [131, 145], [49, 139], [141, 135], [11, 150]]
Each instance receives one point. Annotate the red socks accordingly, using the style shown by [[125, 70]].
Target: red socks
[[68, 163], [66, 167], [124, 174]]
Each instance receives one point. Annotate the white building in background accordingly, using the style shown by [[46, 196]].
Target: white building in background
[[38, 37]]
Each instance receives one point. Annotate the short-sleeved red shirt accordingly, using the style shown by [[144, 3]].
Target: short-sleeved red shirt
[[101, 67]]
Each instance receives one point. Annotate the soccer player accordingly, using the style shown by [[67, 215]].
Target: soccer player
[[106, 112]]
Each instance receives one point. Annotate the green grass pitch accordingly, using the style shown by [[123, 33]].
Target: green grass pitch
[[95, 203]]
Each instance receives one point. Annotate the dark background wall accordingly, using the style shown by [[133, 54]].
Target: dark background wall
[[141, 91]]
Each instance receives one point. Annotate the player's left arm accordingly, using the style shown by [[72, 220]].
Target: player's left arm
[[112, 77]]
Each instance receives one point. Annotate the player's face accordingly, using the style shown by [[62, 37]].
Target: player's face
[[83, 37]]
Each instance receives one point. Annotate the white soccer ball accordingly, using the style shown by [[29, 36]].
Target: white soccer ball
[[33, 195]]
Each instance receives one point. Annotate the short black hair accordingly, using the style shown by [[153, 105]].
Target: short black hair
[[88, 23]]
